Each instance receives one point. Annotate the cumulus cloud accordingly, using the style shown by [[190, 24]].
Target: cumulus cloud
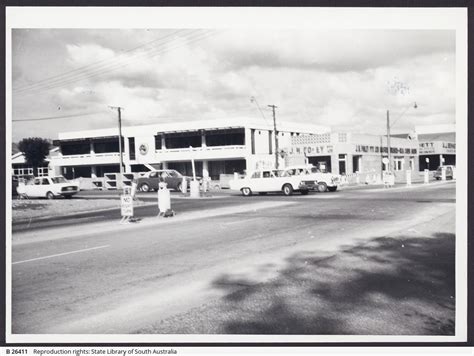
[[347, 79], [335, 51]]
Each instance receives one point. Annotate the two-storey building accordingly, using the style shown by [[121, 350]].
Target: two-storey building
[[216, 146]]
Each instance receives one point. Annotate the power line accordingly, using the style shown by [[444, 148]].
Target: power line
[[88, 73], [254, 99], [59, 117], [85, 67], [100, 72]]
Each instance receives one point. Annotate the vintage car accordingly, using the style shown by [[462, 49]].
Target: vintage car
[[324, 181], [450, 172], [48, 187], [150, 180], [271, 180]]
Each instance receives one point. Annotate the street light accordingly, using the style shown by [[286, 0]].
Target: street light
[[388, 133]]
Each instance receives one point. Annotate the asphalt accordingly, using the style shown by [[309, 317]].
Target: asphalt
[[352, 262], [180, 204]]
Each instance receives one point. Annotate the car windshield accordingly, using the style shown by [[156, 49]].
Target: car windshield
[[59, 180]]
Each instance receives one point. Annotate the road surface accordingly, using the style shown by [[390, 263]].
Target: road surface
[[377, 262]]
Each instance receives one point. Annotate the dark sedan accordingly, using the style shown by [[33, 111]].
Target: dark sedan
[[172, 178]]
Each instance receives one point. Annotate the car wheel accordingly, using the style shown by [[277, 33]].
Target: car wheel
[[50, 195], [332, 189], [246, 192], [287, 189], [304, 192], [145, 187], [178, 187], [322, 187]]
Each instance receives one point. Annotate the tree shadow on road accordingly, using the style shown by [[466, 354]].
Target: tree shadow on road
[[388, 286]]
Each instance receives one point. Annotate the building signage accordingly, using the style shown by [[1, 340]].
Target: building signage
[[315, 150], [437, 147], [143, 149], [380, 149], [311, 150]]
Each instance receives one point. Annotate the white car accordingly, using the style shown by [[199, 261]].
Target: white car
[[324, 181], [48, 187], [271, 180]]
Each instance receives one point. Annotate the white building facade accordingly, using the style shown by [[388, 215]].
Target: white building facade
[[217, 147], [348, 153]]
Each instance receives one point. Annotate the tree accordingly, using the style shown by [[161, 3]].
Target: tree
[[35, 149]]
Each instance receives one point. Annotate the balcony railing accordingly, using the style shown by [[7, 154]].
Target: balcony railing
[[87, 155], [201, 149]]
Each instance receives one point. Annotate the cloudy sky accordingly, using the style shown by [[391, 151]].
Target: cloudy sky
[[344, 79]]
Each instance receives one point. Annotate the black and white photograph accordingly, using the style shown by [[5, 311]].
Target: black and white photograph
[[236, 175]]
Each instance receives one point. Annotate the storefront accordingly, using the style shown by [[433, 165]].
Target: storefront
[[349, 153], [436, 153]]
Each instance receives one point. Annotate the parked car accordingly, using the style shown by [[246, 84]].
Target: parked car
[[324, 181], [271, 180], [48, 187], [450, 171], [149, 181]]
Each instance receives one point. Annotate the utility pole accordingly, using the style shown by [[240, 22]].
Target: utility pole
[[119, 112], [275, 133], [389, 166]]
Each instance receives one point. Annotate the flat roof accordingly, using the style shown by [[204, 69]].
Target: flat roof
[[231, 123]]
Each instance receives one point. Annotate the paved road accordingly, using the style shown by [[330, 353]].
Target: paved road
[[352, 262]]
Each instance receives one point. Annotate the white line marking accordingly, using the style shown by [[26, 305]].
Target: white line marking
[[60, 254], [239, 221]]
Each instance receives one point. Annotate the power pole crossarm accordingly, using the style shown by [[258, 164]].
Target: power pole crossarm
[[275, 133]]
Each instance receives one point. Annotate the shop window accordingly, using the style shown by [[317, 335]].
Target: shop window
[[183, 140], [356, 160], [107, 146], [225, 137], [398, 163], [68, 149]]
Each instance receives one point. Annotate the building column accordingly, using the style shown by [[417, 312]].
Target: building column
[[203, 139], [205, 168], [349, 165], [91, 144], [163, 142], [248, 141], [335, 163], [164, 165], [93, 171], [441, 163], [360, 163]]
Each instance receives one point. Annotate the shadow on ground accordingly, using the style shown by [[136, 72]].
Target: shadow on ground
[[389, 286]]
